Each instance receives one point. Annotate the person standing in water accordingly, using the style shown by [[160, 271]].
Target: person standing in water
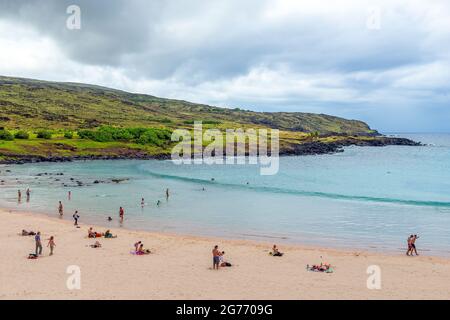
[[37, 239], [28, 194], [19, 195], [142, 202], [75, 218], [51, 244], [121, 213], [167, 194], [60, 209], [69, 195]]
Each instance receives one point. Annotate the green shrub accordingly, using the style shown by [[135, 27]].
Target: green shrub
[[6, 135], [22, 135], [155, 136], [68, 135], [44, 134]]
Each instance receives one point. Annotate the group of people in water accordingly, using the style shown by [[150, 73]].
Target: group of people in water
[[19, 195]]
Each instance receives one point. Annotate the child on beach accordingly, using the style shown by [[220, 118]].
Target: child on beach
[[51, 244]]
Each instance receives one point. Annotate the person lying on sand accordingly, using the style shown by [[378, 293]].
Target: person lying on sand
[[323, 267], [28, 233], [142, 251], [275, 252], [94, 234], [109, 235], [96, 245]]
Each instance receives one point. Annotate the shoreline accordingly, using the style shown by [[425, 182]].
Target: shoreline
[[179, 267], [303, 149], [244, 238]]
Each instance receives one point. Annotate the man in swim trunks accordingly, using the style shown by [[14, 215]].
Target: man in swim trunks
[[216, 257]]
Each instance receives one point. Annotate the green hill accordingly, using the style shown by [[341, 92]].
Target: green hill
[[51, 121], [26, 103]]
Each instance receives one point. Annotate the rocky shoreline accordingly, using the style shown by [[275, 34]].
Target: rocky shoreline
[[307, 148]]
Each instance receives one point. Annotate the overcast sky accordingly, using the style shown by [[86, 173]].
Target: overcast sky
[[384, 62]]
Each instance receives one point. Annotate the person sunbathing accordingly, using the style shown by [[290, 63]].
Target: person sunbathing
[[142, 251], [275, 252], [96, 245], [93, 234], [28, 233], [109, 235]]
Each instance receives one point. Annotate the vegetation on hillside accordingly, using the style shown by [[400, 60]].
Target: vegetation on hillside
[[49, 119]]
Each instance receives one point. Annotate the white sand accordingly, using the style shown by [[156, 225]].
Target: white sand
[[180, 268]]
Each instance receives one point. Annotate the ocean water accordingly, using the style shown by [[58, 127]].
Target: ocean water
[[368, 198]]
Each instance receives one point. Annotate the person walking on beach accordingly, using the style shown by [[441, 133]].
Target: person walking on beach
[[75, 218], [216, 257], [413, 244], [60, 209], [19, 195], [121, 213], [51, 244], [37, 239], [409, 251]]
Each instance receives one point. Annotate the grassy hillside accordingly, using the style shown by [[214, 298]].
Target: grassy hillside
[[42, 120], [26, 103]]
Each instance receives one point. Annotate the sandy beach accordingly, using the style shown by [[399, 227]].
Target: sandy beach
[[180, 267]]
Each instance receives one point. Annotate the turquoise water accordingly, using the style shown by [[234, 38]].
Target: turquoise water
[[365, 198]]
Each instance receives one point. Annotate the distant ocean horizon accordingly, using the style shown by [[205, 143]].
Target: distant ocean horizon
[[366, 198]]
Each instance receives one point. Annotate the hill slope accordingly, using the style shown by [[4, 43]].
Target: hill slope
[[41, 104], [92, 122]]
